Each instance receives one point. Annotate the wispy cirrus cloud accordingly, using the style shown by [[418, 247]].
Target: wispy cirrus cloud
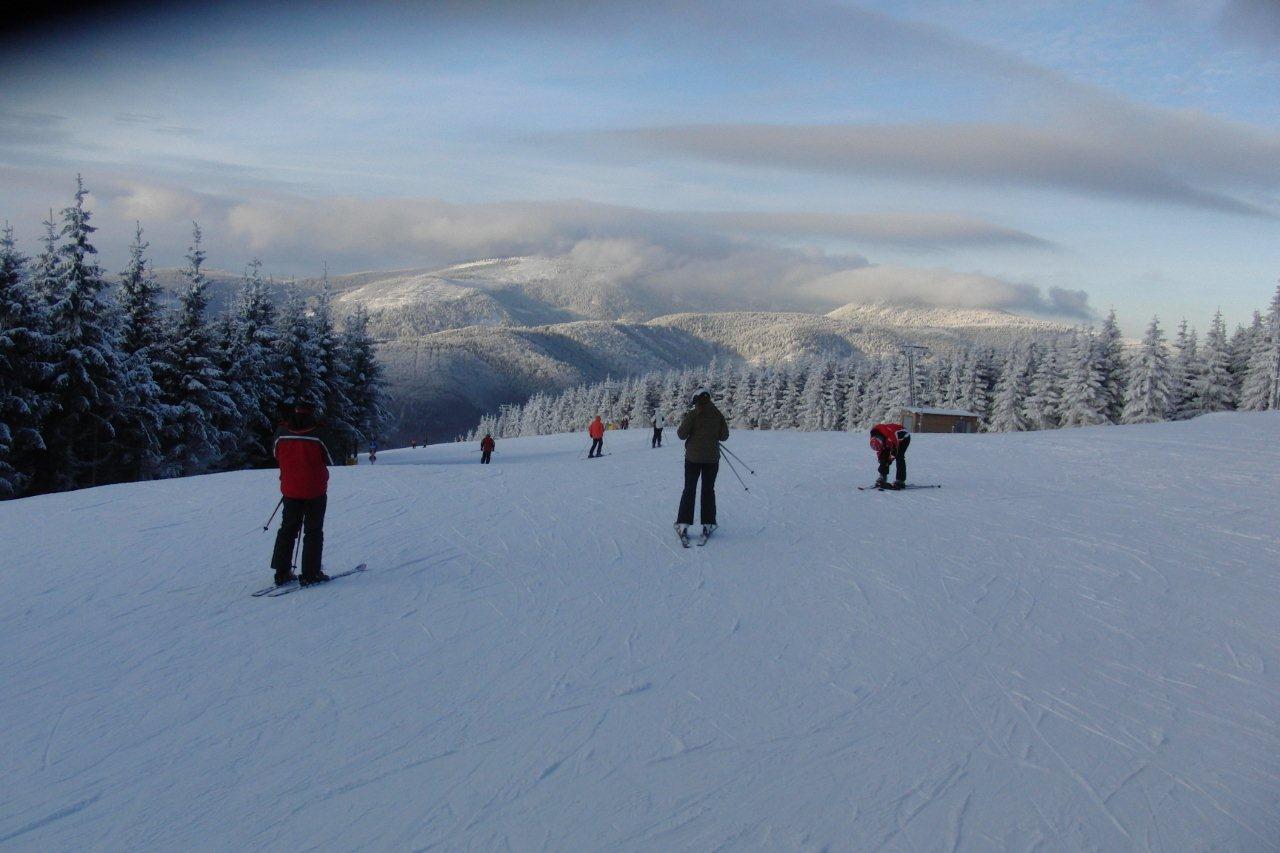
[[441, 229], [1180, 160]]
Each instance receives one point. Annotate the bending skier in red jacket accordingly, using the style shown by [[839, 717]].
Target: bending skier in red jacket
[[304, 483], [890, 442]]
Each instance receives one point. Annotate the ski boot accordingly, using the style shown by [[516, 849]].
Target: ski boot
[[312, 580], [707, 530], [285, 577], [881, 483], [682, 530], [899, 484]]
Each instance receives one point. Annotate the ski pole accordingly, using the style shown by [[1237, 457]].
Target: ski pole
[[279, 504], [736, 474], [736, 456], [297, 545]]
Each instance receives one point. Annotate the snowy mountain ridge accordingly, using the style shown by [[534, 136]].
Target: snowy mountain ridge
[[1042, 653], [460, 341]]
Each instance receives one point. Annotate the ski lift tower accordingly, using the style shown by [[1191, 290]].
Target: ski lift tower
[[911, 351]]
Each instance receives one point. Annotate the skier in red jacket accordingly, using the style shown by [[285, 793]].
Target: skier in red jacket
[[596, 431], [890, 442], [304, 483], [487, 444]]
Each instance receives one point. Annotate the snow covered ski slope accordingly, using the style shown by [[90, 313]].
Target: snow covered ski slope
[[1075, 644]]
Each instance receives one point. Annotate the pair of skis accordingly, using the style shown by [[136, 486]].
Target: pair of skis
[[904, 488], [274, 591], [683, 533]]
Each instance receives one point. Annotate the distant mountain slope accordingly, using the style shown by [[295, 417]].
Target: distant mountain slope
[[445, 380], [442, 383], [461, 340]]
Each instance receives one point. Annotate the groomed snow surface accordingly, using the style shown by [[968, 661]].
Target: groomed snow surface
[[1074, 644]]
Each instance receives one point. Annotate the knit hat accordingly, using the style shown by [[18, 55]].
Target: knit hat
[[699, 393]]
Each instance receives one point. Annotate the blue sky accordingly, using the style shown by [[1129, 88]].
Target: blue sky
[[1052, 157]]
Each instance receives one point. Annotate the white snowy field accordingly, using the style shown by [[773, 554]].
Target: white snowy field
[[1075, 644]]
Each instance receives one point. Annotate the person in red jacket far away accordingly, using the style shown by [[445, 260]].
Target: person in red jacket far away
[[304, 482], [486, 448], [596, 431], [890, 442]]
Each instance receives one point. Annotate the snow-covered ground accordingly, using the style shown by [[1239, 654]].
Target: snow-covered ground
[[1075, 644]]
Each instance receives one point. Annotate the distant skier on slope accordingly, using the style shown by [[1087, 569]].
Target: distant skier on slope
[[659, 421], [373, 452], [596, 431], [890, 442], [304, 482], [487, 444], [701, 429]]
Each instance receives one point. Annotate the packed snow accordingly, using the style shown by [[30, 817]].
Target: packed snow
[[1074, 644]]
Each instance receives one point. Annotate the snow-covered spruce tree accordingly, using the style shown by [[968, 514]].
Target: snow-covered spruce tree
[[1148, 397], [252, 366], [1241, 349], [1211, 386], [975, 395], [26, 359], [953, 392], [1083, 400], [809, 403], [747, 402], [337, 406], [1186, 365], [1008, 413], [1111, 366], [855, 394], [1043, 405], [1261, 388], [85, 379], [875, 400], [145, 418], [362, 377], [205, 412], [44, 273], [301, 376], [787, 403], [639, 409]]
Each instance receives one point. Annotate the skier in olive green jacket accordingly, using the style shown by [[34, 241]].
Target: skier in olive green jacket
[[702, 429]]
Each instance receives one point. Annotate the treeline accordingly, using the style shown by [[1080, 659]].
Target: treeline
[[103, 383], [1084, 378]]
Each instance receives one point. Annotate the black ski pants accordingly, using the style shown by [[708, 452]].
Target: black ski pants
[[484, 457], [597, 447], [900, 475], [306, 515], [657, 437], [692, 471]]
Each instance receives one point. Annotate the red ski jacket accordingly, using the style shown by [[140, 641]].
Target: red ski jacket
[[596, 430], [487, 444], [303, 460], [885, 439]]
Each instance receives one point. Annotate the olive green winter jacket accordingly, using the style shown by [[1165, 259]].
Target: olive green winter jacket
[[702, 429]]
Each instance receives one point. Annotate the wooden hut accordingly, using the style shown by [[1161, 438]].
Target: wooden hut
[[925, 419]]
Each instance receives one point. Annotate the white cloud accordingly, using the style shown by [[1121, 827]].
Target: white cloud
[[695, 254], [942, 287]]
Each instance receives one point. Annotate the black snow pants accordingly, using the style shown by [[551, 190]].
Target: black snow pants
[[692, 471], [307, 515], [484, 457], [900, 475], [597, 447], [657, 437]]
